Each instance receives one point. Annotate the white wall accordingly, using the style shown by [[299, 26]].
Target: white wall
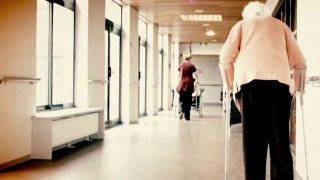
[[209, 77], [81, 53], [308, 28], [90, 53], [174, 71], [130, 66], [96, 52], [17, 58], [167, 72], [175, 65], [152, 69]]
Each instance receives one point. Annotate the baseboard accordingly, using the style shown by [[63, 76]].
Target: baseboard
[[15, 162]]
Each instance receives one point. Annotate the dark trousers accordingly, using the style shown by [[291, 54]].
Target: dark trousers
[[185, 101], [265, 115]]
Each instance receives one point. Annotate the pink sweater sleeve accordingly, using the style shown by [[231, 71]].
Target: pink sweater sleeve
[[229, 52], [297, 61], [295, 57], [231, 47]]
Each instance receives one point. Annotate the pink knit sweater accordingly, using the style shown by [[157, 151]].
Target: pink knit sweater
[[261, 48]]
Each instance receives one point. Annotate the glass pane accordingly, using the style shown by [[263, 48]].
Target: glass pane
[[63, 59], [42, 52], [160, 81], [113, 12], [115, 77], [142, 81]]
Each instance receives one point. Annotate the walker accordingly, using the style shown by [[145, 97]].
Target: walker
[[302, 74], [227, 108]]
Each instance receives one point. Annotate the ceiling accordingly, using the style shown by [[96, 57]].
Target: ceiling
[[166, 14]]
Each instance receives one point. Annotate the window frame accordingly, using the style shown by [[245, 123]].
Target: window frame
[[70, 5], [162, 53], [115, 28], [143, 42]]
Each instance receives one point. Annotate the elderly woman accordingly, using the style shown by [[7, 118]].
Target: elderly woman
[[258, 59]]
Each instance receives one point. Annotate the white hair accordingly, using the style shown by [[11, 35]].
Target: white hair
[[254, 9], [186, 56]]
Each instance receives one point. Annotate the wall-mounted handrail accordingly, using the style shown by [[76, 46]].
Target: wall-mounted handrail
[[313, 80], [4, 80], [220, 85], [102, 82]]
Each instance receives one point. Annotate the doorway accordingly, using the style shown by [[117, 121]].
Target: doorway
[[112, 74]]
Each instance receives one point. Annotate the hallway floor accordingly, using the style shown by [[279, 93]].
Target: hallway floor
[[158, 148]]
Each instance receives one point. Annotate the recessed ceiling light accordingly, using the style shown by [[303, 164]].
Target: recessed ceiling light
[[210, 33], [213, 40], [199, 11], [201, 17], [206, 25]]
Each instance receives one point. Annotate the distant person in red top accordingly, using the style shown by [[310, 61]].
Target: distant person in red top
[[185, 87]]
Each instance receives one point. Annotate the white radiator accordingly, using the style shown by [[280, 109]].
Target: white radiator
[[58, 129]]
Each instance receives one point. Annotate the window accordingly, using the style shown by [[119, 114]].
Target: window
[[142, 31], [160, 71], [173, 72], [113, 16], [42, 52], [286, 12], [114, 65], [55, 54]]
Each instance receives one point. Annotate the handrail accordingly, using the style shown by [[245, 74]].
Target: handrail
[[4, 80], [102, 82], [211, 85], [313, 80]]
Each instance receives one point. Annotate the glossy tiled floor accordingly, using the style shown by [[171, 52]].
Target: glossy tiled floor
[[158, 148]]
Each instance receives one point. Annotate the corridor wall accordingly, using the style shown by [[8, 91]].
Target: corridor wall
[[17, 58], [308, 27]]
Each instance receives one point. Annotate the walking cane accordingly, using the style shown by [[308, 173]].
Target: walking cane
[[301, 91], [227, 102], [227, 132]]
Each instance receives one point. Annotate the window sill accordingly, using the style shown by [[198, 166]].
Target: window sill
[[64, 113]]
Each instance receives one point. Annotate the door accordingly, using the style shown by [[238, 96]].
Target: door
[[112, 74], [160, 81], [142, 78]]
